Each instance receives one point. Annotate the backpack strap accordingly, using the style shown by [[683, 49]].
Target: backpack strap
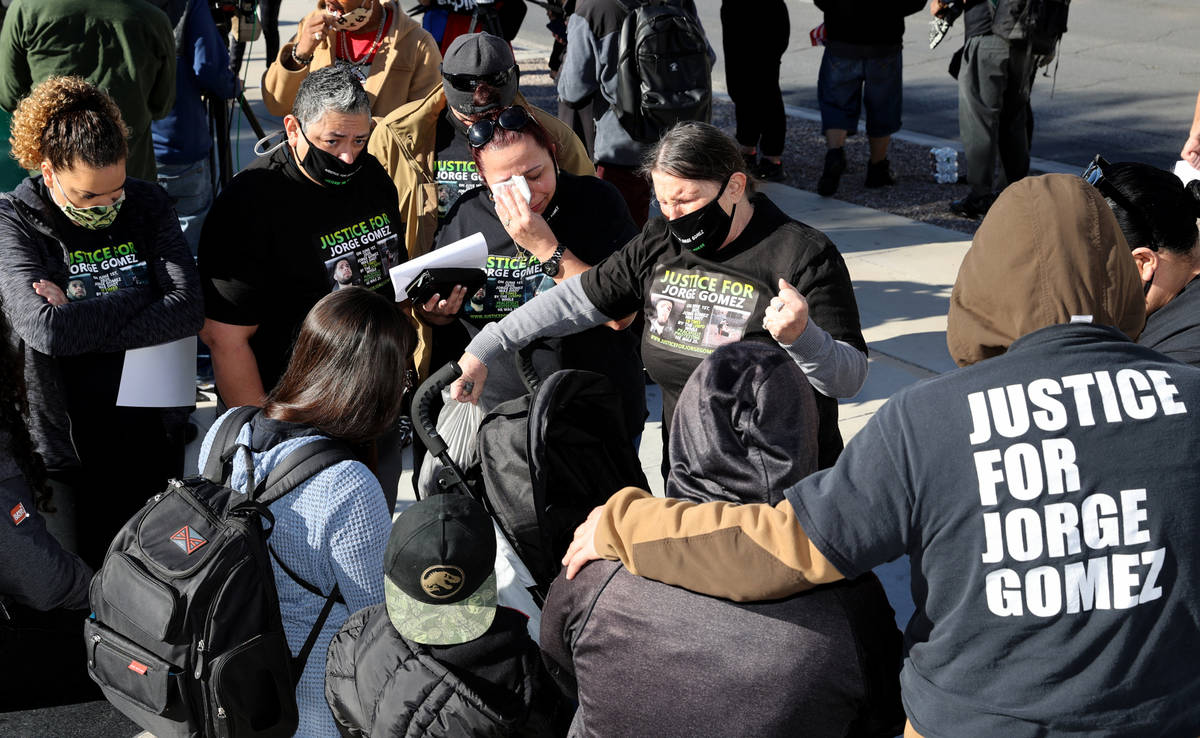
[[224, 444], [296, 468]]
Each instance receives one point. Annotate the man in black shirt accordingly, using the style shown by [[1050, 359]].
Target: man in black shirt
[[993, 94], [287, 231]]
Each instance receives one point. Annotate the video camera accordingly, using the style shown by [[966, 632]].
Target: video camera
[[223, 12]]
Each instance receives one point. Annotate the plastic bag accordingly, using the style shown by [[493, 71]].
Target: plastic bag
[[458, 425]]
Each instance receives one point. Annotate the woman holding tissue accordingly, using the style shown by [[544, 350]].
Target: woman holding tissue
[[723, 256], [82, 220], [542, 226]]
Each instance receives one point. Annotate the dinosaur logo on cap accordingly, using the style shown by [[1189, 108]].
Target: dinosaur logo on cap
[[442, 581]]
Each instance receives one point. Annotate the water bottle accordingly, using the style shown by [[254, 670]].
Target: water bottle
[[943, 162]]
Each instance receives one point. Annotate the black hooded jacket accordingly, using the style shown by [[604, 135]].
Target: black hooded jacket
[[378, 683], [646, 658]]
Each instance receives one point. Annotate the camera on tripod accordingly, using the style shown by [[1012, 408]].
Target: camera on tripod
[[224, 11]]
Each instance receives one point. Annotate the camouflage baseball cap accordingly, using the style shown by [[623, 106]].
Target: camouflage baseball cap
[[439, 571]]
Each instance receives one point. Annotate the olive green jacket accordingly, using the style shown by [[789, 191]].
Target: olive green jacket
[[124, 47]]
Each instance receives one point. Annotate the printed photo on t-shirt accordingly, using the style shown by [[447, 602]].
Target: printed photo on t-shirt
[[343, 272], [725, 325], [364, 246], [476, 303], [455, 178], [80, 287], [666, 312], [693, 311], [390, 249], [135, 275]]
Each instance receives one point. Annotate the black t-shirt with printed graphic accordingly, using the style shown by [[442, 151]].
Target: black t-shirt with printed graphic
[[590, 219], [453, 168], [100, 262], [275, 243], [722, 300]]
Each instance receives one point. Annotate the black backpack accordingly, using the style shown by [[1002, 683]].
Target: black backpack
[[186, 637], [1041, 22], [664, 73], [548, 458]]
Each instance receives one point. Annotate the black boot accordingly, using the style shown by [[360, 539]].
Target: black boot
[[879, 174], [835, 164], [972, 206], [769, 171]]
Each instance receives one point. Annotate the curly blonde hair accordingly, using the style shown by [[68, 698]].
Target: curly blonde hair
[[65, 120]]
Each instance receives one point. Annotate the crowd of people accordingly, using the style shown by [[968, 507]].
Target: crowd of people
[[1048, 530]]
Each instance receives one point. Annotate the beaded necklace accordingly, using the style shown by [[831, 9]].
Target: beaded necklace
[[361, 66]]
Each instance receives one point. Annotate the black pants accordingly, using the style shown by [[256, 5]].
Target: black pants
[[127, 455], [268, 15], [993, 100], [754, 37], [45, 661]]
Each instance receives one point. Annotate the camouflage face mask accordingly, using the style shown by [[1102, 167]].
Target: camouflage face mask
[[94, 218]]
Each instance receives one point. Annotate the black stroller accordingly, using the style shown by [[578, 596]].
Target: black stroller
[[546, 459]]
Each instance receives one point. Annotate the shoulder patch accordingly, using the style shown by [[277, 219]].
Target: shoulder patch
[[18, 514]]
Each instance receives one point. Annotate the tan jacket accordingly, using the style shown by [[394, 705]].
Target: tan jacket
[[404, 144], [406, 67]]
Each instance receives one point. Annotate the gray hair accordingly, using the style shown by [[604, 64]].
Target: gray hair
[[697, 151], [329, 89]]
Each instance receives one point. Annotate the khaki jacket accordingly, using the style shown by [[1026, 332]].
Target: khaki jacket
[[406, 67], [404, 144]]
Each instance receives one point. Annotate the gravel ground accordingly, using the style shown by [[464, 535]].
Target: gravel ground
[[915, 195]]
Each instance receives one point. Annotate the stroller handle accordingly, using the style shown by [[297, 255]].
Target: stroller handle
[[429, 392]]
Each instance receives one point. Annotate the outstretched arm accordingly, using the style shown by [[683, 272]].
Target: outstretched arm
[[563, 311], [708, 548]]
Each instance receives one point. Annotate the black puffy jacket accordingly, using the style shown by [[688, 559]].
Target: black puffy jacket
[[379, 683]]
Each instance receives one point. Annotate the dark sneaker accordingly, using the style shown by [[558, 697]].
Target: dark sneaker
[[879, 174], [972, 206], [769, 171], [835, 164]]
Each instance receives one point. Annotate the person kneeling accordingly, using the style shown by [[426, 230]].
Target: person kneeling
[[646, 658], [440, 657]]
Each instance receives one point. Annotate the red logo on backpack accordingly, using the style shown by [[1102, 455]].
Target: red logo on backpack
[[18, 513], [187, 540]]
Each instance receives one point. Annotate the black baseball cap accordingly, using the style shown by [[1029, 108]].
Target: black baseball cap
[[478, 57], [440, 571]]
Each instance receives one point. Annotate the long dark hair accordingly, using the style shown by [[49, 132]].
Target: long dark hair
[[346, 375], [1164, 209], [14, 417]]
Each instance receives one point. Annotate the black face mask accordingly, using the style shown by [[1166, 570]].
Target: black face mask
[[703, 231], [327, 168]]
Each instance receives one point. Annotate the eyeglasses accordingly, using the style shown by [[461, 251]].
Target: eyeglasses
[[1098, 175], [468, 82], [510, 119]]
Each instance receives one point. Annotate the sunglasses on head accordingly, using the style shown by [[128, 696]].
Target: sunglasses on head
[[468, 82], [1097, 175], [510, 119]]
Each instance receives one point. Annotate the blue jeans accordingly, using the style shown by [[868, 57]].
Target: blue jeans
[[191, 190], [844, 84]]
